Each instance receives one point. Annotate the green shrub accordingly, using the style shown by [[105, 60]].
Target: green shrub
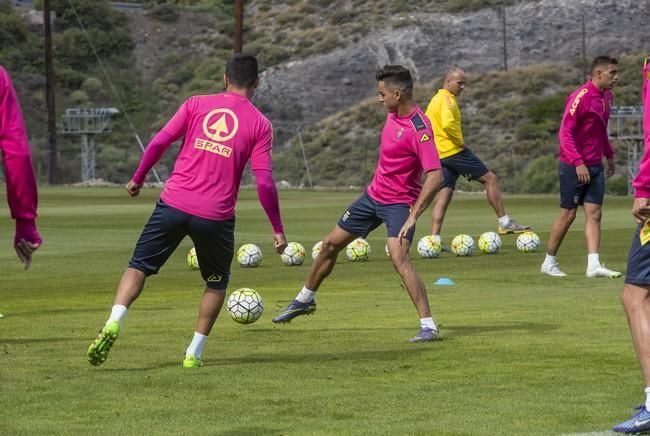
[[540, 176], [616, 185]]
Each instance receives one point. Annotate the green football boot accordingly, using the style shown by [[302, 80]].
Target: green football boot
[[192, 362], [98, 350]]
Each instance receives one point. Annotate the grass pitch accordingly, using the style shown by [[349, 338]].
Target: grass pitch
[[523, 353]]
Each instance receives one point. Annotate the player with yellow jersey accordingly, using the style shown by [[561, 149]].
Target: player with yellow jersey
[[457, 159]]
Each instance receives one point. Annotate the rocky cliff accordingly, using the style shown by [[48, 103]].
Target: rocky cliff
[[299, 93]]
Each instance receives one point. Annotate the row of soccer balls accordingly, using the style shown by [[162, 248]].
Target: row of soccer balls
[[250, 255]]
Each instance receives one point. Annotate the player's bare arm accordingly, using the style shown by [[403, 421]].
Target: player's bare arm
[[432, 182]]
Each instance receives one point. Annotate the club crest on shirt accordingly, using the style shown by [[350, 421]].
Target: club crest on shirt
[[400, 132], [219, 125], [346, 215]]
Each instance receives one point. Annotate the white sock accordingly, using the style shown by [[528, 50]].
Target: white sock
[[550, 260], [428, 323], [593, 261], [117, 313], [196, 347], [504, 220], [437, 238], [647, 398], [305, 295]]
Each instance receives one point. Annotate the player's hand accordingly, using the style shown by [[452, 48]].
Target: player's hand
[[641, 209], [24, 250], [583, 174], [279, 242], [133, 188], [408, 225], [610, 168]]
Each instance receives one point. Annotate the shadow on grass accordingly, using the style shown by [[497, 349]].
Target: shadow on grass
[[251, 431], [64, 310], [284, 358]]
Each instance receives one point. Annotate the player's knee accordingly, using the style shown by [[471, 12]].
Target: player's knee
[[401, 263], [594, 215], [631, 300], [490, 179], [568, 215], [329, 248]]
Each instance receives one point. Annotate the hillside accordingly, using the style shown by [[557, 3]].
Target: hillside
[[319, 59]]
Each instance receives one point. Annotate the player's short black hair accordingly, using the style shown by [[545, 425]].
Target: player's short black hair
[[242, 70], [602, 61], [395, 76]]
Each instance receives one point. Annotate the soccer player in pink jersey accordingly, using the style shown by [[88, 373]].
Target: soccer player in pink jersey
[[221, 133], [396, 197], [583, 143], [19, 172], [636, 292]]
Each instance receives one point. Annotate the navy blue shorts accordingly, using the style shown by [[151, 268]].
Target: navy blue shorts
[[214, 242], [465, 164], [365, 215], [573, 193], [638, 261]]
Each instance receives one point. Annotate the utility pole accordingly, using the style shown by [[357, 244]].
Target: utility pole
[[52, 176], [239, 25], [505, 43]]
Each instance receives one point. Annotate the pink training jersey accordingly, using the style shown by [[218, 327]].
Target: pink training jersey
[[583, 132], [221, 133], [642, 180], [17, 162], [406, 150]]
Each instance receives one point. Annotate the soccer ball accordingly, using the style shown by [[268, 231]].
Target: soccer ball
[[192, 260], [245, 306], [527, 242], [358, 250], [294, 254], [316, 249], [429, 247], [462, 245], [489, 243], [249, 255]]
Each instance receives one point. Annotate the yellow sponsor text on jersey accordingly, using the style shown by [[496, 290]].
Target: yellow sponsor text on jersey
[[212, 147], [576, 101]]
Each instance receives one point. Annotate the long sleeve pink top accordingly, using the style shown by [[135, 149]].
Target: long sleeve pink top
[[583, 132], [642, 180], [221, 133], [17, 163]]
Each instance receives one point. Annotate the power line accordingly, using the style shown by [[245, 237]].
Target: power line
[[110, 82]]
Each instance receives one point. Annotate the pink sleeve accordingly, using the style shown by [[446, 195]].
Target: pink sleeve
[[268, 195], [261, 155], [174, 129], [609, 149], [426, 150], [567, 132], [17, 162], [642, 180]]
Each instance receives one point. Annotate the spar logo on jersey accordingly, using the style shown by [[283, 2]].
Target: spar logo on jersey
[[576, 101], [220, 125]]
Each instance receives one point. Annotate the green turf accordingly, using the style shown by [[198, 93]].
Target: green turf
[[523, 354]]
